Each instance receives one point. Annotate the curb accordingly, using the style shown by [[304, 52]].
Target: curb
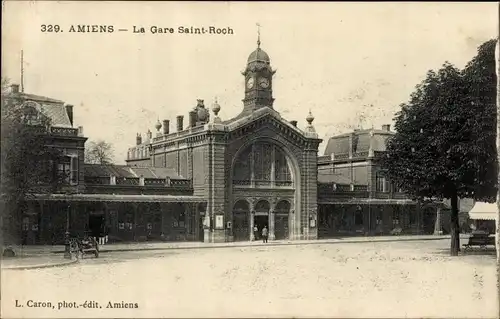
[[271, 244], [61, 264]]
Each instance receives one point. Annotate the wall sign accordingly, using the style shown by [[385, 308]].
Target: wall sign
[[219, 221]]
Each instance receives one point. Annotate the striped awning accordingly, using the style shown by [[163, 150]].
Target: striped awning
[[484, 211], [121, 198]]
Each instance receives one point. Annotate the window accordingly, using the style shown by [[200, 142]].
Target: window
[[67, 169], [380, 183], [262, 162], [74, 170], [64, 169], [282, 173]]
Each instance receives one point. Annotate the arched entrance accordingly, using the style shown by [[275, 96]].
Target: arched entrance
[[264, 171], [241, 214], [261, 216], [281, 212]]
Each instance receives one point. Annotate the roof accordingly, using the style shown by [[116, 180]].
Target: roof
[[104, 170], [52, 108], [122, 198], [246, 117], [362, 139], [258, 55], [38, 98]]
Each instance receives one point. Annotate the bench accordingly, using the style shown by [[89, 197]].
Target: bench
[[480, 241]]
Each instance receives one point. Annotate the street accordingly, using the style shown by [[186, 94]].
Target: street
[[385, 279]]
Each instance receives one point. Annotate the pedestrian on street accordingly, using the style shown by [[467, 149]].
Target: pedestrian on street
[[264, 234], [255, 232]]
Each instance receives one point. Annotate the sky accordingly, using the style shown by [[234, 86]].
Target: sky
[[341, 61]]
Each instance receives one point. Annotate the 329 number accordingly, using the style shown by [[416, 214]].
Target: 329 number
[[50, 28]]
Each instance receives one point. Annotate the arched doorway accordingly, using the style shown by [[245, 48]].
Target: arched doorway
[[241, 214], [261, 216], [282, 212], [265, 164]]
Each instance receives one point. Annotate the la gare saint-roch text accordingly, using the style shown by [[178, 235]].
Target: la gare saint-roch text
[[182, 30]]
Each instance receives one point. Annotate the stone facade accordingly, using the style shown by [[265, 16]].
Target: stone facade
[[256, 169]]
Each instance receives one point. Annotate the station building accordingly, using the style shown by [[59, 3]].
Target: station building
[[213, 180]]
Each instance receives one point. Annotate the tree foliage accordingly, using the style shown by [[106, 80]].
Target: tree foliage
[[445, 141], [99, 152], [28, 164]]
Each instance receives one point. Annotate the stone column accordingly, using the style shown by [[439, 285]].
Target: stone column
[[271, 225], [250, 215], [437, 224]]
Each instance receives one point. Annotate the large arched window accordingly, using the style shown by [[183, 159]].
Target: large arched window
[[262, 164]]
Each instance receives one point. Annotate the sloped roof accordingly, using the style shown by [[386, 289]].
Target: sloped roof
[[247, 116], [339, 144], [58, 115], [52, 108], [102, 170]]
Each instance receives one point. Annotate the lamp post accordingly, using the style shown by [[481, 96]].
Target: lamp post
[[67, 252]]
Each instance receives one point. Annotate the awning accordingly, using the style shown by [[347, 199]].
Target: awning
[[484, 211], [121, 198]]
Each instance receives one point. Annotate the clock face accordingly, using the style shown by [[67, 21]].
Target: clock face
[[264, 83], [250, 83]]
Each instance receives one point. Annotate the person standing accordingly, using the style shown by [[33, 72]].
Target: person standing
[[255, 232], [264, 234]]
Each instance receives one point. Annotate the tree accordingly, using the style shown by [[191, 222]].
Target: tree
[[99, 152], [444, 146], [29, 166]]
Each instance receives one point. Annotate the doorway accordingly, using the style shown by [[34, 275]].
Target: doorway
[[260, 221], [96, 224]]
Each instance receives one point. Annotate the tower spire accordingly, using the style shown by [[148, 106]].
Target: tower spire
[[258, 35]]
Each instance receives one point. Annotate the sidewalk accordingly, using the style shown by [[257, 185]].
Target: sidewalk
[[31, 262], [121, 247]]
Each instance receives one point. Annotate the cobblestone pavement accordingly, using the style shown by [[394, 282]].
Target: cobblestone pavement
[[396, 279]]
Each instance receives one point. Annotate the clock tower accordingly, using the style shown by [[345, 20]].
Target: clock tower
[[258, 81]]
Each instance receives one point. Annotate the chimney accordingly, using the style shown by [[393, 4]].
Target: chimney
[[294, 123], [14, 88], [138, 139], [180, 120], [69, 110], [80, 130], [193, 118], [386, 127], [166, 127]]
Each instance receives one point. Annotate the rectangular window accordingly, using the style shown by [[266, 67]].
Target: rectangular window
[[67, 170], [74, 170], [64, 169], [380, 183]]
